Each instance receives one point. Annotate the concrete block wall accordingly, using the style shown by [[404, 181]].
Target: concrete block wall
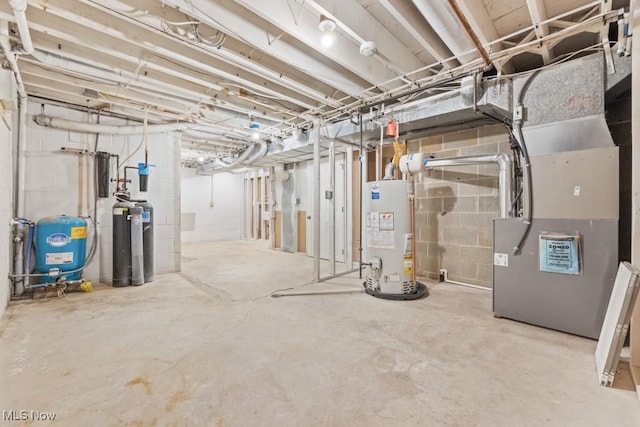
[[57, 183], [455, 207], [212, 206], [7, 94]]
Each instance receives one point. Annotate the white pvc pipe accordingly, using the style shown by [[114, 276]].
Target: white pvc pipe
[[11, 58], [19, 8], [467, 285], [22, 157], [56, 123]]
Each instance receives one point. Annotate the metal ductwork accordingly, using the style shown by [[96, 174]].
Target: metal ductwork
[[448, 112], [564, 107]]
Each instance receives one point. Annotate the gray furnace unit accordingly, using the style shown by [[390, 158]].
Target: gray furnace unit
[[563, 277]]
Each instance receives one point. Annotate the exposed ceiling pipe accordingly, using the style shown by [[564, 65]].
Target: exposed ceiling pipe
[[56, 123], [215, 131], [19, 8], [5, 44], [190, 137], [123, 78], [417, 162]]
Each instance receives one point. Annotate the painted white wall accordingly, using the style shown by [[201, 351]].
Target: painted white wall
[[56, 183], [7, 93], [212, 206]]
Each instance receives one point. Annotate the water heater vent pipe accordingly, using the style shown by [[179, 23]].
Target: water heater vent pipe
[[417, 162]]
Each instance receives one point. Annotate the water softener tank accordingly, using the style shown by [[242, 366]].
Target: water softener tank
[[147, 239], [121, 243], [61, 246]]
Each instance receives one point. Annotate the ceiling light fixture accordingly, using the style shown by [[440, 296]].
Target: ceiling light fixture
[[368, 48], [201, 159], [256, 133], [327, 26], [327, 40]]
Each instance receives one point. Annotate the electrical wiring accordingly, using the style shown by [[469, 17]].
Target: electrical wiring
[[595, 48], [143, 142]]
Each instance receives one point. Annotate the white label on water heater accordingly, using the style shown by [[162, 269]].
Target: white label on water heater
[[386, 221], [375, 191], [374, 222], [381, 239], [59, 258], [118, 211]]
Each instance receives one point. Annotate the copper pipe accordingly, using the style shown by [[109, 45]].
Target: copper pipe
[[472, 35], [412, 208]]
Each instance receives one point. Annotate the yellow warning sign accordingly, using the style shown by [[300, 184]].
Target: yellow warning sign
[[407, 265], [78, 232]]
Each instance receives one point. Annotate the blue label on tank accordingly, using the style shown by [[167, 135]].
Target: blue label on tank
[[58, 240], [146, 216], [375, 196]]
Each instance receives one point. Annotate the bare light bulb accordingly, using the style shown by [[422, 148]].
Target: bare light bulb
[[255, 135], [327, 40], [201, 159]]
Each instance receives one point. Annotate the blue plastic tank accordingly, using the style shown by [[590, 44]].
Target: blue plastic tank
[[61, 243]]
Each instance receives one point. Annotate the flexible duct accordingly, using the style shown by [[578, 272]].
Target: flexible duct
[[244, 160], [388, 171], [56, 123], [414, 163], [222, 165], [19, 8], [262, 151]]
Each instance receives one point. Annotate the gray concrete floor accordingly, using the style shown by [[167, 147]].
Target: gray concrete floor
[[209, 347]]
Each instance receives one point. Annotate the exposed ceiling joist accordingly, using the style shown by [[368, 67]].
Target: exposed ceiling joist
[[538, 14], [233, 19], [477, 16], [118, 34], [445, 23], [227, 49], [298, 21], [227, 64], [409, 17], [361, 26]]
